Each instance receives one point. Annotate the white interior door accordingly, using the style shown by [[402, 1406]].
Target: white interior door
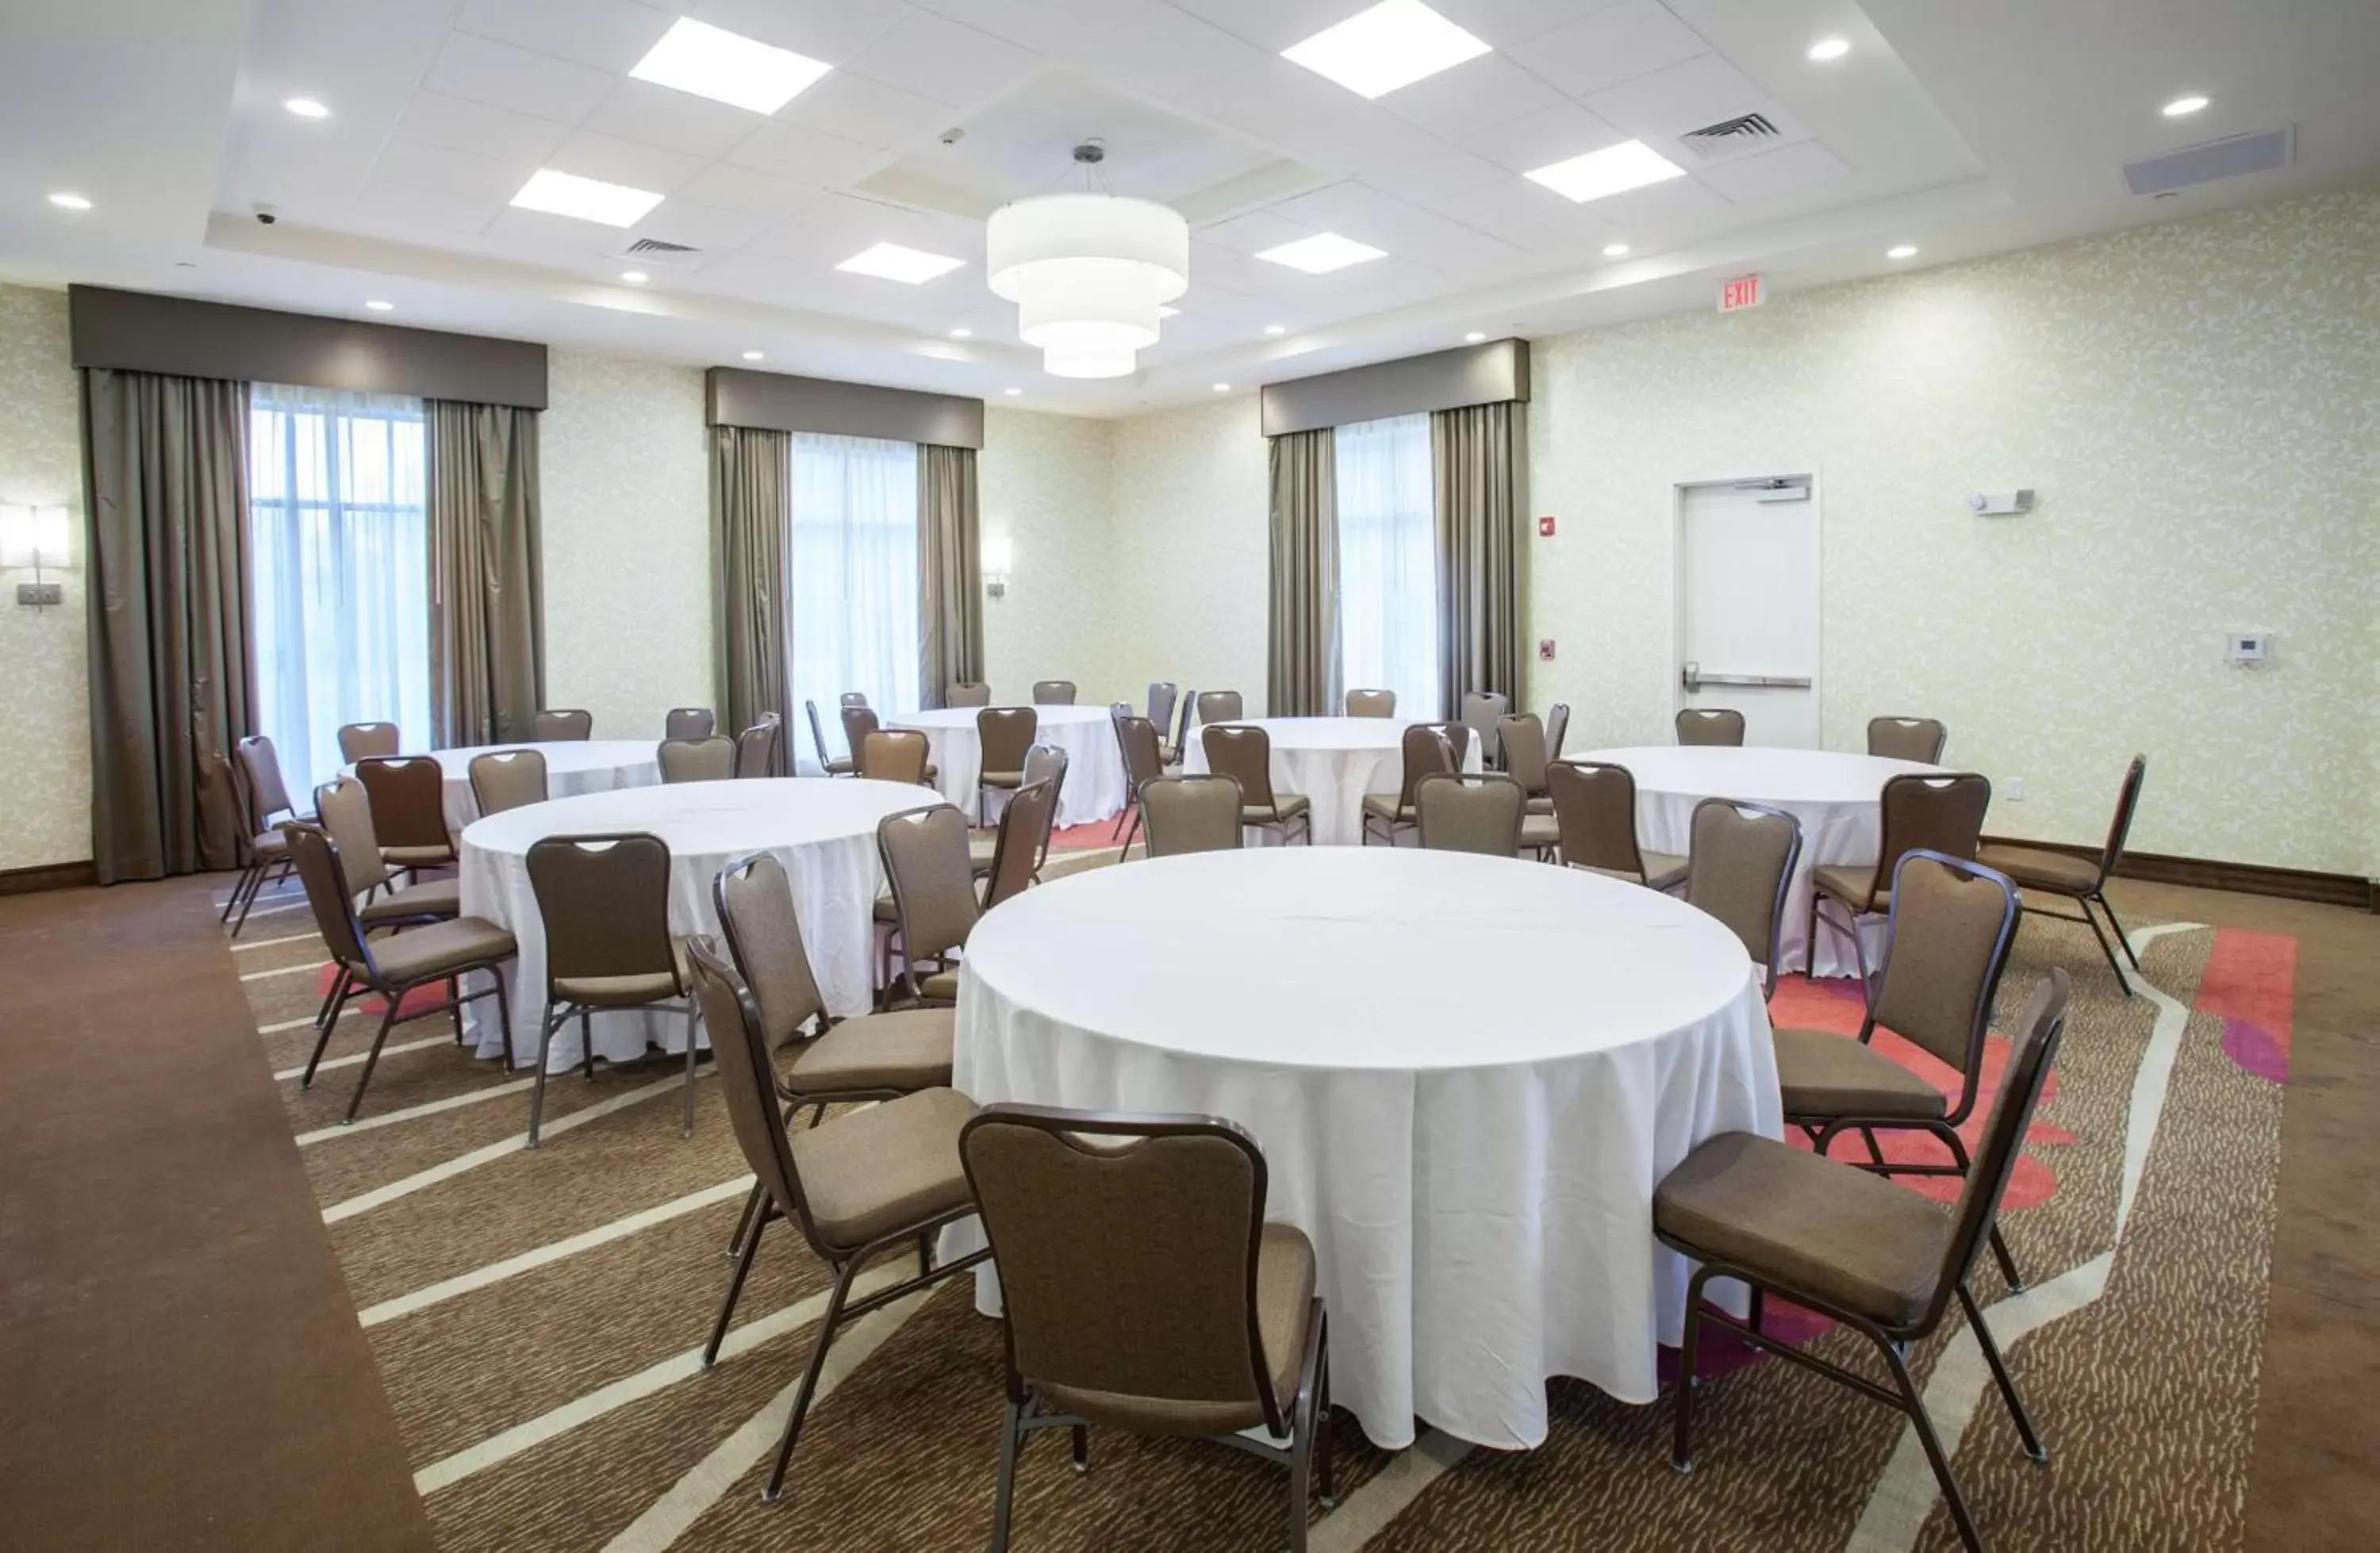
[[1748, 605]]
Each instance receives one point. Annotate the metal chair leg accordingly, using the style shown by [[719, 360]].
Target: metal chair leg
[[1810, 941], [321, 1039], [692, 1052], [455, 997], [395, 996], [1913, 1403], [1004, 1495], [735, 1285], [2032, 1446], [743, 1223], [1681, 1448], [238, 886], [537, 1085], [776, 1488], [587, 1041], [2121, 936], [1082, 1447]]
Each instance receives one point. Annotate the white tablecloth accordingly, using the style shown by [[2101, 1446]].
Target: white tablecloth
[[1094, 784], [1467, 1073], [1838, 798], [572, 767], [823, 831], [1332, 761]]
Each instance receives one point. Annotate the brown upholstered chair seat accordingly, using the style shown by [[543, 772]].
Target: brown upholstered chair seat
[[1285, 805], [431, 951], [1384, 805], [908, 1050], [886, 911], [1661, 870], [1538, 831], [890, 1165], [981, 844], [1822, 1074], [627, 991], [416, 857], [439, 897], [1850, 883], [1538, 803], [1843, 1234], [1002, 779], [841, 765], [942, 987], [269, 844], [2030, 867]]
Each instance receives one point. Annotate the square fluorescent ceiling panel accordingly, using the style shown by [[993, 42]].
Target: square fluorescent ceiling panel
[[1321, 254], [1395, 44], [711, 62], [1613, 170], [892, 263], [586, 199]]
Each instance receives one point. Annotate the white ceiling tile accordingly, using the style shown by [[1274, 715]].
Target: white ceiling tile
[[1617, 43], [833, 228], [1542, 139], [829, 30], [1255, 232], [1702, 91], [589, 155], [1776, 172], [608, 34], [408, 165], [1477, 95], [406, 212], [487, 71], [678, 121], [543, 235], [789, 151], [1425, 180], [1153, 47], [700, 226], [1273, 24], [857, 108], [937, 58], [723, 186], [1405, 231], [432, 118], [1528, 214], [1506, 24], [1040, 26]]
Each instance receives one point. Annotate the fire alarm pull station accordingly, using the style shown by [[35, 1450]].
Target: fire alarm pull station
[[1546, 528], [1546, 650]]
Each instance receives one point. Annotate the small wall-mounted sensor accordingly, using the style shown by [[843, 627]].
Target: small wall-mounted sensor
[[2007, 506], [2248, 649]]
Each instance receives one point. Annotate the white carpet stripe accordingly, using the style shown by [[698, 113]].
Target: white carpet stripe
[[243, 947], [302, 1021], [1365, 1514], [529, 1261], [288, 970], [414, 1113], [277, 890], [299, 905], [357, 1060]]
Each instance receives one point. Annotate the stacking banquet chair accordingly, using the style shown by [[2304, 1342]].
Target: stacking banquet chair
[[1426, 750], [1480, 812], [1190, 814], [1163, 697], [359, 740], [705, 757], [1145, 1291], [895, 755], [969, 693], [1218, 705], [1481, 708], [1043, 762], [857, 724], [604, 904], [408, 805], [1556, 728], [690, 722], [1710, 725], [2083, 880], [1053, 693], [1952, 925], [1244, 753], [930, 903], [1907, 738], [390, 968], [264, 797], [852, 699], [1739, 866], [757, 747], [507, 779], [1371, 703], [1143, 762], [1523, 739], [1004, 736], [1458, 740], [1941, 814], [856, 1186], [345, 813], [831, 765], [1594, 804], [1883, 1262], [561, 725], [1185, 713]]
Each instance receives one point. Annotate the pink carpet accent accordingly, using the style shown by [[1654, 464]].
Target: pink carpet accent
[[2251, 984]]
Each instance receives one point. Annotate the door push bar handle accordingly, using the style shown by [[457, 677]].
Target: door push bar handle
[[1696, 679]]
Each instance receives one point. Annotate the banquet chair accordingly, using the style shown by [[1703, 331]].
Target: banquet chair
[[604, 904], [1710, 725], [1907, 738], [1004, 736], [1557, 727], [831, 765], [1941, 814], [1426, 750], [390, 968], [2083, 881], [1480, 710], [1458, 740], [895, 755], [1180, 742], [1143, 762], [1245, 754], [1163, 697], [1480, 812], [704, 757], [1523, 739], [1053, 693], [1016, 846], [359, 741], [1882, 1261], [507, 779], [1145, 1291], [1740, 862], [757, 747], [562, 726], [1218, 705], [933, 905], [857, 724], [408, 805], [856, 1186], [1043, 762], [1595, 806], [852, 699], [1952, 925], [1185, 814], [969, 693], [262, 796], [345, 813], [1371, 703], [690, 722]]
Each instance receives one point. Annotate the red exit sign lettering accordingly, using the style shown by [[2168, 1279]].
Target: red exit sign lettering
[[1745, 291]]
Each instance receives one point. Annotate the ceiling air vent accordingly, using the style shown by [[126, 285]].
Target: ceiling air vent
[[1729, 136], [653, 251], [655, 244], [2226, 158]]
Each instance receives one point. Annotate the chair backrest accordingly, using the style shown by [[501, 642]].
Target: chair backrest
[[508, 779], [605, 900], [967, 693], [1477, 813], [324, 876], [1048, 762], [925, 854], [1907, 738], [1188, 713], [345, 811], [558, 725], [1458, 740], [267, 795], [1219, 705], [1053, 693], [1941, 814], [1480, 710], [857, 724], [1243, 754], [700, 757], [756, 747], [1739, 867], [2032, 1050], [690, 722], [2128, 798], [408, 799], [1952, 922], [359, 741], [748, 1079], [1016, 851], [755, 901], [1426, 749], [1523, 739], [1127, 1251], [893, 755], [1557, 727], [818, 741], [1144, 752], [852, 699], [1162, 696], [1714, 725], [1181, 814], [1371, 703], [1004, 733], [1594, 810]]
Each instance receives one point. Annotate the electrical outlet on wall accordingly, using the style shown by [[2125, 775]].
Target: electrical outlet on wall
[[2013, 790]]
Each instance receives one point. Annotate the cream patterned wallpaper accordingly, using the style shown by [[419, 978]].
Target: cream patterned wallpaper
[[45, 697], [1043, 482]]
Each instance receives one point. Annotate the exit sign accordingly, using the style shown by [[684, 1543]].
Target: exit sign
[[1745, 291]]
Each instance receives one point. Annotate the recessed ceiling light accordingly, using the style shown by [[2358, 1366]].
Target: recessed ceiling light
[[1615, 250], [66, 202], [1222, 388], [892, 263], [1903, 250], [2183, 107], [1474, 337], [635, 277], [613, 204], [307, 107], [962, 334], [376, 305], [1825, 49], [752, 355], [1012, 392], [1613, 170], [1275, 329], [1322, 253], [1395, 44], [725, 67]]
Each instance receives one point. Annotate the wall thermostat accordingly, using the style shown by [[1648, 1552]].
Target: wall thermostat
[[1999, 507], [2248, 649]]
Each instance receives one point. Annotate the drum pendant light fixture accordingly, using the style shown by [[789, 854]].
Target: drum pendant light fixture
[[1088, 272]]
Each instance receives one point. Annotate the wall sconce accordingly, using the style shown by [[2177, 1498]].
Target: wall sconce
[[998, 559], [35, 537]]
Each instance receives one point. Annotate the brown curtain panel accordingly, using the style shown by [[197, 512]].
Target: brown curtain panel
[[751, 511], [1302, 663], [166, 483], [487, 624], [1477, 458], [950, 572]]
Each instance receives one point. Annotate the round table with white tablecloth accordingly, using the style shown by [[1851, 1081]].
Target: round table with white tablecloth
[[1334, 761], [572, 767], [1094, 784], [1467, 1073], [823, 831], [1839, 799]]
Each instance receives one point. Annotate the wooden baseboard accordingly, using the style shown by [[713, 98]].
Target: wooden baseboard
[[48, 875], [2246, 878]]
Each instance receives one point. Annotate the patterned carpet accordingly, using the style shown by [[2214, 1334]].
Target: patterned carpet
[[537, 1322]]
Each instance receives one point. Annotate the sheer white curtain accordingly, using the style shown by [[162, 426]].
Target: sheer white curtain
[[342, 571], [853, 569], [1388, 563]]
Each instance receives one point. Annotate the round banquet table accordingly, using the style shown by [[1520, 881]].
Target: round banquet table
[[1467, 1073], [572, 767], [1334, 761], [1094, 787], [1838, 798], [824, 833]]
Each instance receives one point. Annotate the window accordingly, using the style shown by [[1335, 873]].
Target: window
[[342, 572], [852, 565], [1388, 563]]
